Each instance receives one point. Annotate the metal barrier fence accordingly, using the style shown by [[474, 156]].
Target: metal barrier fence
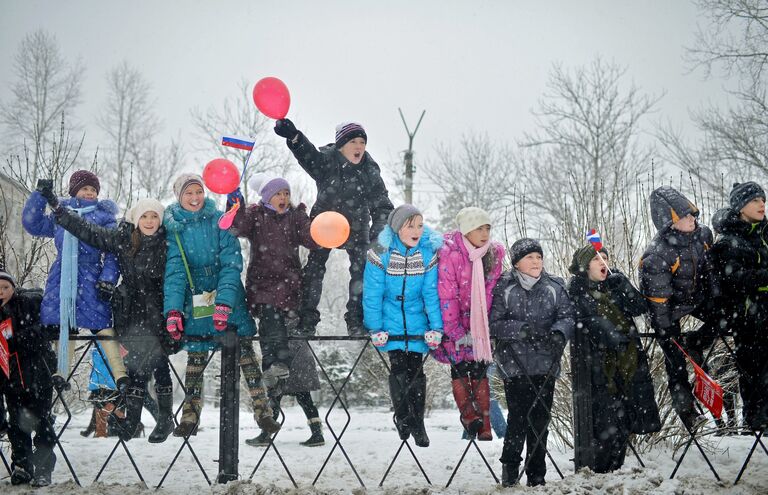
[[228, 345]]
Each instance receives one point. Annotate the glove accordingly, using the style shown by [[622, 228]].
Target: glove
[[433, 338], [558, 342], [285, 128], [465, 341], [379, 339], [106, 290], [45, 188], [615, 281], [220, 317], [234, 197], [174, 324]]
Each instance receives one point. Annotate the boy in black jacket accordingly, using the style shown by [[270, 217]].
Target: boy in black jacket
[[349, 182], [28, 387], [674, 278]]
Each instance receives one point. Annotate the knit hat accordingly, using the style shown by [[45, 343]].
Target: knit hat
[[143, 206], [582, 258], [470, 218], [523, 247], [668, 205], [400, 215], [83, 178], [7, 276], [347, 131], [267, 186], [743, 193], [184, 181]]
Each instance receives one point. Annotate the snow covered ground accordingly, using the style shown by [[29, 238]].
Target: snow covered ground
[[371, 443]]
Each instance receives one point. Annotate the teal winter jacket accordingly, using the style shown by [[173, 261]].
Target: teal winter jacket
[[215, 263]]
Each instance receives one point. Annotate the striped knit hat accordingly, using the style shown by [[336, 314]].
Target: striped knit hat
[[7, 277], [347, 131]]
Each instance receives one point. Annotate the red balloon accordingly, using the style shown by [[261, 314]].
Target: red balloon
[[272, 98], [221, 176], [329, 229]]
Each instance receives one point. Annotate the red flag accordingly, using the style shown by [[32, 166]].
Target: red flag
[[705, 388], [6, 332]]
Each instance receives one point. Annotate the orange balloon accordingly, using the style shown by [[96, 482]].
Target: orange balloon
[[330, 229]]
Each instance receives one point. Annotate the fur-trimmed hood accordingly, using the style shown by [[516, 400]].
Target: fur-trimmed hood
[[430, 239], [176, 217]]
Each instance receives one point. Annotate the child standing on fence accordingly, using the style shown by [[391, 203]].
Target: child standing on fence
[[27, 388], [532, 318], [349, 182], [740, 257], [674, 278], [204, 294], [469, 267], [621, 387], [400, 298], [139, 244], [276, 229], [81, 281]]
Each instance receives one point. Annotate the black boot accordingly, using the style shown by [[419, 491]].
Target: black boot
[[262, 440], [417, 397], [44, 460], [21, 472], [164, 426], [397, 385], [509, 474], [316, 440], [134, 403]]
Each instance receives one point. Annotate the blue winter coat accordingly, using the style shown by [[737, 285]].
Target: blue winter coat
[[93, 265], [400, 289], [215, 263]]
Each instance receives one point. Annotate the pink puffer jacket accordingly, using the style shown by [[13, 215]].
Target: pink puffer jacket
[[455, 287]]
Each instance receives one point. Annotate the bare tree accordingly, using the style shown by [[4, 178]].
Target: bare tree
[[46, 88]]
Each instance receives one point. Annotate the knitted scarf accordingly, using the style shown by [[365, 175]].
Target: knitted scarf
[[68, 293], [478, 309]]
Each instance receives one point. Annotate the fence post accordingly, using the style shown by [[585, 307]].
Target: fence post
[[229, 411]]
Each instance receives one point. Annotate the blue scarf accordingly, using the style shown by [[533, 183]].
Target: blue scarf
[[70, 248]]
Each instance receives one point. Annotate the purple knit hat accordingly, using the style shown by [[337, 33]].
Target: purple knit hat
[[83, 178], [267, 186]]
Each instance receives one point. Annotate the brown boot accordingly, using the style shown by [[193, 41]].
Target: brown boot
[[102, 418], [483, 399], [190, 419], [470, 417]]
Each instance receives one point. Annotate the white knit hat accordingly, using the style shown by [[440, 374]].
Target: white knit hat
[[143, 206], [470, 218]]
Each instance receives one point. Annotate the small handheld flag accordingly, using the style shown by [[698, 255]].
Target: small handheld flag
[[241, 143], [594, 238], [706, 389]]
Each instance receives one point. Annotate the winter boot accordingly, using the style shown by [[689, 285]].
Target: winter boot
[[134, 400], [164, 426], [262, 440], [316, 440], [417, 397], [44, 460], [102, 420], [509, 474], [397, 387], [91, 426], [462, 393], [190, 419], [20, 476], [483, 397]]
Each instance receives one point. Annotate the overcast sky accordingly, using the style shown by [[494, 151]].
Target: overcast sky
[[472, 65]]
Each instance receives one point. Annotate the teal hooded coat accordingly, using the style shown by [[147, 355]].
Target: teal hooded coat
[[215, 263]]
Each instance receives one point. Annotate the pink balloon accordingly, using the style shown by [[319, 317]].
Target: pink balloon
[[272, 98], [221, 176]]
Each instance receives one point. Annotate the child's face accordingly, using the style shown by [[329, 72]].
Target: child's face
[[685, 224], [754, 211], [479, 237], [354, 150], [597, 272], [532, 264], [149, 223], [411, 231], [281, 201], [192, 198], [6, 291], [87, 192]]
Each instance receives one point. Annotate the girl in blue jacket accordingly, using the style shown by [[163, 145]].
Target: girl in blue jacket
[[204, 294], [82, 278], [400, 299]]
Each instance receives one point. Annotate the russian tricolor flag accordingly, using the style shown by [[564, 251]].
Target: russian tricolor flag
[[240, 143], [594, 238]]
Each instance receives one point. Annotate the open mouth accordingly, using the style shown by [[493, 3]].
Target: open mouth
[[604, 271], [415, 239], [282, 206], [357, 155]]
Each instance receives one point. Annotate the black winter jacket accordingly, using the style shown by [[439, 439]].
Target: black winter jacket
[[356, 191]]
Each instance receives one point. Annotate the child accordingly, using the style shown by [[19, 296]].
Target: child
[[740, 257], [82, 279], [620, 381], [349, 182], [400, 298], [204, 294], [469, 267], [673, 278], [28, 389], [139, 244], [276, 229], [532, 318]]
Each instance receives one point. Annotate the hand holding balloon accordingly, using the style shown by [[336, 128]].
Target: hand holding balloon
[[285, 128], [330, 229]]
